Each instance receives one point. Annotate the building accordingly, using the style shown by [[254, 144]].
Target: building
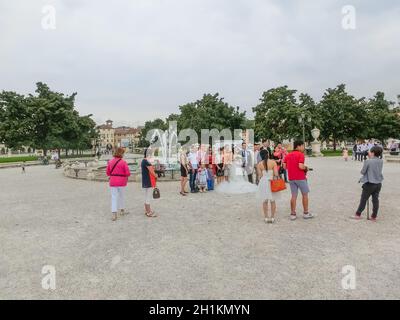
[[110, 137], [106, 135], [126, 136]]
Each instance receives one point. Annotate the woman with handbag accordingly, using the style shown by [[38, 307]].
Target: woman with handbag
[[149, 178], [268, 171], [118, 171]]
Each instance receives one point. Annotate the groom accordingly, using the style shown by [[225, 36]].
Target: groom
[[247, 162]]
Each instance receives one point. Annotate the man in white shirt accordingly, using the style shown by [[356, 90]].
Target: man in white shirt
[[193, 168]]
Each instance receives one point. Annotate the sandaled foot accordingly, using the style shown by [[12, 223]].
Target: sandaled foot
[[123, 213], [151, 214], [114, 217]]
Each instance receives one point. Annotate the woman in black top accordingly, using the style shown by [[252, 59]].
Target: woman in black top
[[148, 174]]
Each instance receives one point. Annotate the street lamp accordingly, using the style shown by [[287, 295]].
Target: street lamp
[[302, 121]]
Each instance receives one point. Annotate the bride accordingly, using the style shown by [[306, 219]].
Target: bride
[[237, 182]]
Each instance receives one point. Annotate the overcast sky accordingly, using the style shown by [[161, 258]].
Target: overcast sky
[[136, 60]]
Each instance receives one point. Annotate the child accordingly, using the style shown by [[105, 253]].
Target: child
[[210, 178], [202, 178], [345, 154], [23, 167], [372, 182]]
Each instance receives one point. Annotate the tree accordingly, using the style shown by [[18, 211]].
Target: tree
[[14, 120], [342, 115], [150, 125], [45, 121], [384, 122], [277, 115], [210, 112]]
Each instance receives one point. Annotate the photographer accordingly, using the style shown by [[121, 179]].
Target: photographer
[[372, 178]]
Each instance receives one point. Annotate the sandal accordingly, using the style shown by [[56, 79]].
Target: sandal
[[151, 214], [182, 194], [123, 213], [114, 217]]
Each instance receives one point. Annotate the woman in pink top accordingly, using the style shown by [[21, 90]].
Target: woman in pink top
[[118, 171]]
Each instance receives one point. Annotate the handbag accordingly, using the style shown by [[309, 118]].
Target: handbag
[[156, 193], [277, 185]]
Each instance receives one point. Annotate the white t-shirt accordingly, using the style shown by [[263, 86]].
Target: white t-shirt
[[193, 160]]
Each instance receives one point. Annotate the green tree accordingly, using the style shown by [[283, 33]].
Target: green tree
[[342, 116], [210, 112], [384, 122], [150, 125], [45, 121], [15, 120], [277, 114]]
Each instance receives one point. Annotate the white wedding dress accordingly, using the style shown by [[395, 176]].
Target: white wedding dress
[[238, 182]]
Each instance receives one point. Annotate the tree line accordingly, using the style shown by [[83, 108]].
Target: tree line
[[47, 120], [339, 115]]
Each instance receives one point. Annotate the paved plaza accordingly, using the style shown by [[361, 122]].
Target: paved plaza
[[205, 246]]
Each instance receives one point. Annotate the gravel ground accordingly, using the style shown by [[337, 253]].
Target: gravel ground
[[205, 246]]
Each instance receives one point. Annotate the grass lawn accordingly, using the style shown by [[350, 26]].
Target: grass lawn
[[17, 159], [35, 158], [337, 153]]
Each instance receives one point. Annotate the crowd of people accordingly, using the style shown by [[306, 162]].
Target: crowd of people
[[205, 168], [360, 150]]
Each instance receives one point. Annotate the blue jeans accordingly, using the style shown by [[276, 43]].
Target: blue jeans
[[192, 179], [210, 184]]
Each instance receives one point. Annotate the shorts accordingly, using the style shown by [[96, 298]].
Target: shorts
[[295, 185], [148, 195], [220, 171], [184, 172]]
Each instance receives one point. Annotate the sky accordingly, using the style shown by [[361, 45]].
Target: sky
[[133, 61]]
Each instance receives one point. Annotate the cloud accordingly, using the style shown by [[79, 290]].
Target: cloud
[[138, 60]]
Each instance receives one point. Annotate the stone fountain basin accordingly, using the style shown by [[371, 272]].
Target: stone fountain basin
[[96, 171]]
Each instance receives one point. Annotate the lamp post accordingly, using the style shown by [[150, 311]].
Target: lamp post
[[302, 121]]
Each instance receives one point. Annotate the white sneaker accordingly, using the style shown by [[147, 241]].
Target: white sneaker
[[308, 216], [272, 220], [293, 217]]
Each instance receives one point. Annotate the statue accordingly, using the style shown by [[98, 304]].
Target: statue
[[316, 144]]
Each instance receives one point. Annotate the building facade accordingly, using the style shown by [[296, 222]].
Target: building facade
[[110, 137]]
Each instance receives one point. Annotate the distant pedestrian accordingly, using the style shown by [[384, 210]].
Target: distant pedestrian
[[23, 167], [345, 154], [118, 171], [371, 179]]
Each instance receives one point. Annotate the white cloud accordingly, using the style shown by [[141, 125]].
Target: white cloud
[[140, 59]]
